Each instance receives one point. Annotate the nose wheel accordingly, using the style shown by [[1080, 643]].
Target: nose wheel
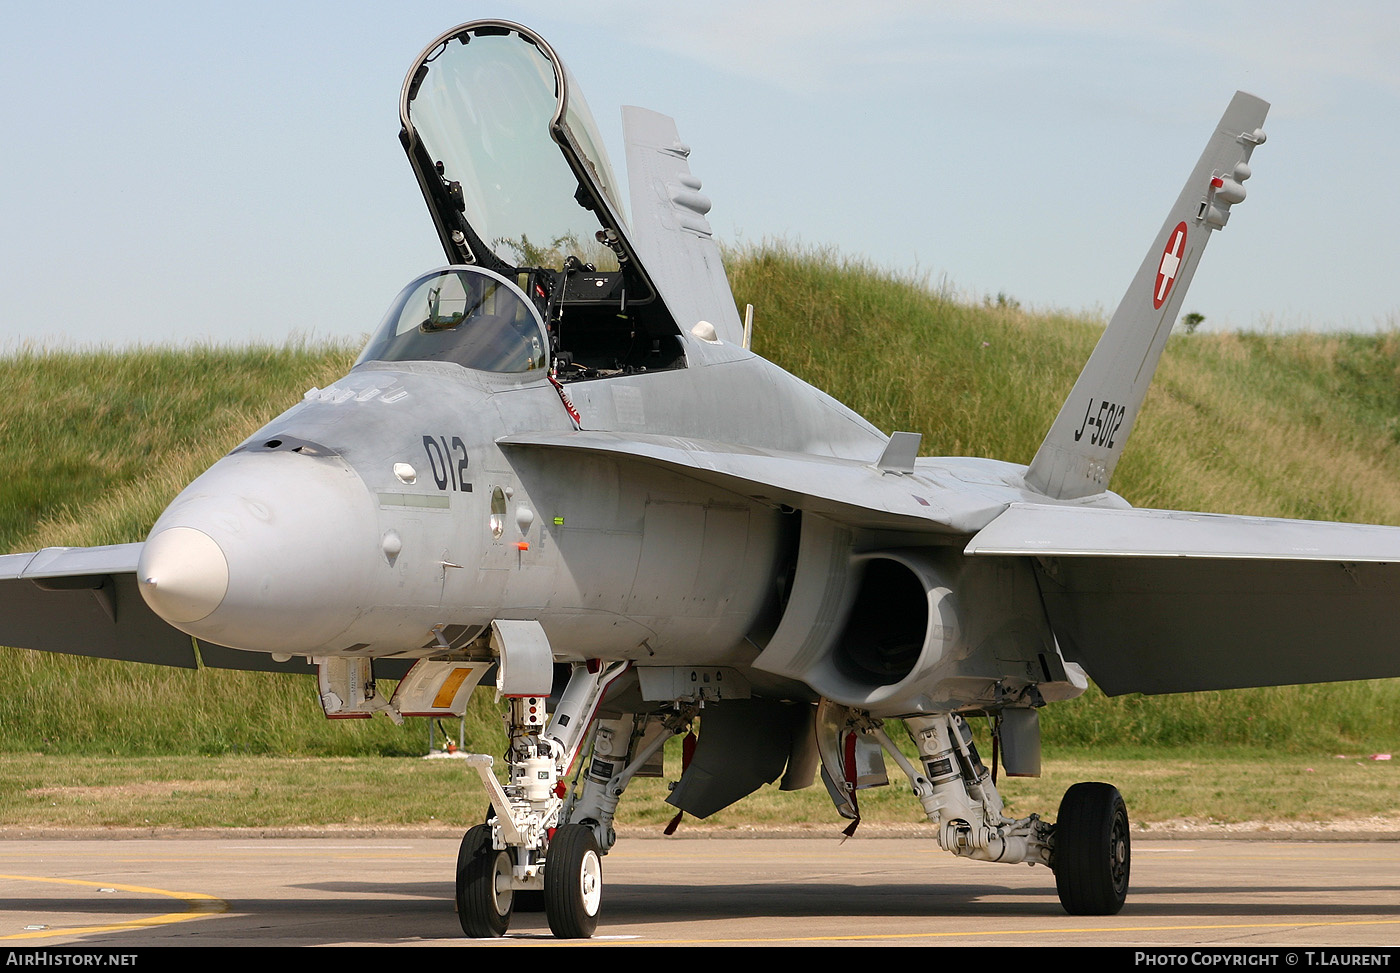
[[484, 896], [1093, 853], [573, 882]]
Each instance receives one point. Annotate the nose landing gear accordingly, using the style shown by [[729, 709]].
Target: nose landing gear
[[484, 893], [573, 882], [538, 847]]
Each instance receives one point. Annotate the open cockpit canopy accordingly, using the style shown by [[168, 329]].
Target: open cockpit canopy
[[517, 181]]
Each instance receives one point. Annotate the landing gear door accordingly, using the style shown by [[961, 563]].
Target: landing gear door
[[851, 760]]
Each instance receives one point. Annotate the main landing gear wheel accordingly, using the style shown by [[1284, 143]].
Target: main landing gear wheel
[[484, 896], [1092, 850], [573, 882]]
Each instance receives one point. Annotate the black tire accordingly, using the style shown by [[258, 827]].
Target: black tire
[[1093, 850], [483, 907], [573, 882]]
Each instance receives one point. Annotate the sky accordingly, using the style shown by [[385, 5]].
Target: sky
[[173, 173]]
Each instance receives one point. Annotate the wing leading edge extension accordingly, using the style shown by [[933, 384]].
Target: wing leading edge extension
[[1160, 601], [844, 490]]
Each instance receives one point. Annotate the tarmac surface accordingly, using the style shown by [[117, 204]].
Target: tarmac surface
[[698, 891]]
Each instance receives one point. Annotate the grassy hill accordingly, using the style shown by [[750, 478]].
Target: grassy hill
[[94, 444]]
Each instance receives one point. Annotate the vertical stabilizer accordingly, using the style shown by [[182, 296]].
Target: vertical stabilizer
[[670, 228], [1083, 446]]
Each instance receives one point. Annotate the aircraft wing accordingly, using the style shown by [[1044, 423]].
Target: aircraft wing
[[1162, 601], [844, 490], [84, 601]]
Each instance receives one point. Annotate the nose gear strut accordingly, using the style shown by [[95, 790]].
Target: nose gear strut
[[539, 839]]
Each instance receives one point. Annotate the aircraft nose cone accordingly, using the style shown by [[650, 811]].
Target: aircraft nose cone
[[183, 574], [268, 551]]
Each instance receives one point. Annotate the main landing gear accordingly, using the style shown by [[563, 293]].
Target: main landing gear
[[1089, 848], [1092, 852]]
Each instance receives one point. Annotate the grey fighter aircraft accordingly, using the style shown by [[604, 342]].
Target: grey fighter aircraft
[[558, 461]]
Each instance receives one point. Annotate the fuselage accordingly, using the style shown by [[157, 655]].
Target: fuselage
[[400, 511], [380, 516]]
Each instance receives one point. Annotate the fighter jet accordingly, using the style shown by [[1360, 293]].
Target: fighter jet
[[557, 462]]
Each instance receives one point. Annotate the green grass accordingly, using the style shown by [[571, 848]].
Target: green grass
[[94, 444], [1161, 786], [1287, 719], [233, 792], [1296, 425]]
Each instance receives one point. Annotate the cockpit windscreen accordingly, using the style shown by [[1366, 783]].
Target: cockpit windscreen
[[465, 315]]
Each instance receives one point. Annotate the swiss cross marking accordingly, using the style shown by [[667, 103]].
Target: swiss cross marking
[[1170, 265]]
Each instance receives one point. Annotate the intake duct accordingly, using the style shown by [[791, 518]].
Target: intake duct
[[883, 637], [868, 629]]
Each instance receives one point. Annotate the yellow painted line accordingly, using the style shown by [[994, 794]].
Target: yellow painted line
[[875, 937], [200, 905]]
